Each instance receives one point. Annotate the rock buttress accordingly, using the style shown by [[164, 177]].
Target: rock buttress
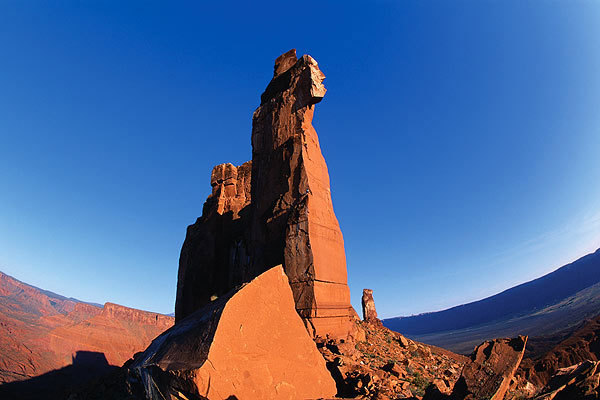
[[293, 220], [213, 258], [285, 218]]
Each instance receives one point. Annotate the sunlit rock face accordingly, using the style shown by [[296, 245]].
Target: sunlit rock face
[[248, 344], [492, 367], [276, 209]]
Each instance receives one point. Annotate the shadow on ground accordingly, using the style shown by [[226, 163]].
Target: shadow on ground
[[58, 384]]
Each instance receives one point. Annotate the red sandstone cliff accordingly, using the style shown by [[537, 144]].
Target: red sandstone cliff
[[42, 331]]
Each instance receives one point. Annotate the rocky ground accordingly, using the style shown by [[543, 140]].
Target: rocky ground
[[385, 365], [568, 368], [381, 364]]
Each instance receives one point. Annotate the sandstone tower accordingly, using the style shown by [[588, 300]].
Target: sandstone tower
[[275, 209]]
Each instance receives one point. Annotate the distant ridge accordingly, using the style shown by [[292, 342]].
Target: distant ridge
[[519, 300], [42, 331], [49, 293]]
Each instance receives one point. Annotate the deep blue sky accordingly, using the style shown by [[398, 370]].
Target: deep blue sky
[[462, 138]]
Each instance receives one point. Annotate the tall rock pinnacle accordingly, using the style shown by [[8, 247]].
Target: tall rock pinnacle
[[285, 216], [368, 307]]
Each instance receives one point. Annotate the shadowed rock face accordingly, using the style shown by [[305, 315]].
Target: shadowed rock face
[[285, 216], [214, 256], [248, 344], [581, 346], [580, 381]]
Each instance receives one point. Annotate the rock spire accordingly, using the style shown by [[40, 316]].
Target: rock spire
[[275, 209], [368, 307]]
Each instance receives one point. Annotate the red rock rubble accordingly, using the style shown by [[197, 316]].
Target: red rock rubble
[[580, 381], [383, 364], [534, 375]]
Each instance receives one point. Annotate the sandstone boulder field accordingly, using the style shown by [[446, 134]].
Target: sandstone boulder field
[[579, 381], [536, 375]]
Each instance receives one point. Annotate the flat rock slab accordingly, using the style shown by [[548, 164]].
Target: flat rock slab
[[248, 344], [493, 364]]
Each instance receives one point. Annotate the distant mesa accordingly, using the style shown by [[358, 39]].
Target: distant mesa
[[42, 331]]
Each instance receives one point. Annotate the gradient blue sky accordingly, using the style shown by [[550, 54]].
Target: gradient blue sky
[[462, 138]]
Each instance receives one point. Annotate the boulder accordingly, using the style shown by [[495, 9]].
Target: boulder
[[395, 369], [490, 370], [579, 381], [274, 210], [248, 344]]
